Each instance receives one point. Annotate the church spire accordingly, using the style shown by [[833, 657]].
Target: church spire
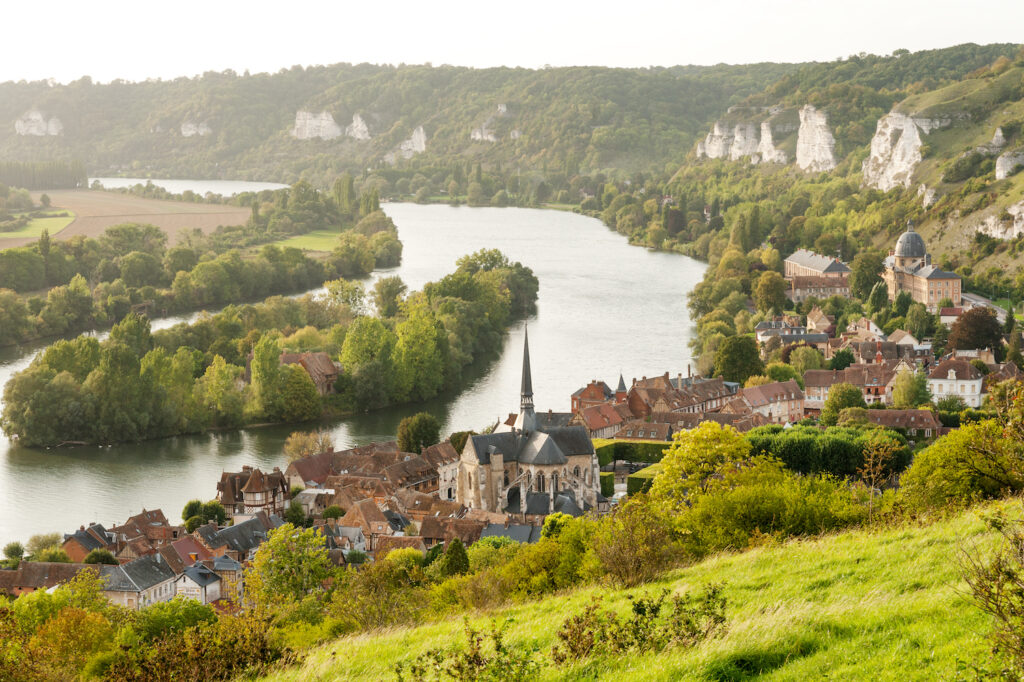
[[527, 420]]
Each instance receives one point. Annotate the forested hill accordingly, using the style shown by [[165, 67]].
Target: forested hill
[[319, 121]]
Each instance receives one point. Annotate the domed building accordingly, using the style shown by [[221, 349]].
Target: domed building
[[909, 268]]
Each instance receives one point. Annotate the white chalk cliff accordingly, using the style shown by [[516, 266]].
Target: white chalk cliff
[[1007, 161], [35, 123], [766, 149], [190, 128], [416, 144], [357, 129], [896, 149], [718, 142], [994, 227], [815, 145], [744, 141], [309, 126]]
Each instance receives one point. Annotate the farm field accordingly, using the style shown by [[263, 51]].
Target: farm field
[[95, 211], [55, 224], [888, 604], [317, 240]]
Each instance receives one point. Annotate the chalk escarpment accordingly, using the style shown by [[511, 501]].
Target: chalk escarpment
[[815, 145], [896, 149], [310, 126], [36, 124]]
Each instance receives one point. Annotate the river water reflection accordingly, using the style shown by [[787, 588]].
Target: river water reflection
[[604, 307]]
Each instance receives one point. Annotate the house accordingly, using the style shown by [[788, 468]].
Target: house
[[957, 376], [516, 533], [77, 545], [742, 421], [820, 323], [594, 393], [777, 327], [864, 329], [998, 373], [366, 516], [804, 263], [436, 530], [781, 402], [418, 506], [949, 316], [314, 470], [505, 470], [250, 491], [39, 575], [145, 532], [190, 550], [643, 430], [200, 583], [151, 581], [679, 394], [445, 460], [919, 424], [390, 544], [603, 420], [315, 500], [875, 382], [321, 369], [239, 541], [803, 287], [412, 472], [909, 268]]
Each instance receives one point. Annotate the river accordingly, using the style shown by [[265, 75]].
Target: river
[[604, 307]]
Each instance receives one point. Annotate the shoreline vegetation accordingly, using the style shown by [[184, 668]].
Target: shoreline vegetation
[[225, 370]]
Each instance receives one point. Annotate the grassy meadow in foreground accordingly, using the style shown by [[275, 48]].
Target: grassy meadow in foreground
[[36, 226], [881, 605]]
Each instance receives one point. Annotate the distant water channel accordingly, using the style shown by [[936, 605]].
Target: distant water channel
[[604, 307]]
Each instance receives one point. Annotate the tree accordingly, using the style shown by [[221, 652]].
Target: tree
[[44, 200], [737, 359], [805, 358], [305, 443], [295, 514], [878, 299], [951, 403], [419, 356], [300, 400], [977, 328], [265, 373], [694, 457], [910, 389], [456, 561], [333, 512], [841, 359], [919, 322], [100, 556], [840, 396], [290, 566], [770, 292], [901, 304], [780, 371], [343, 293], [865, 273], [14, 551], [37, 543], [418, 431], [879, 454], [52, 554], [387, 295], [635, 542]]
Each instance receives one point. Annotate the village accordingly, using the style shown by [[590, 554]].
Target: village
[[370, 500]]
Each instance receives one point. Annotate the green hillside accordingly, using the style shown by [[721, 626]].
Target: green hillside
[[882, 605], [587, 117]]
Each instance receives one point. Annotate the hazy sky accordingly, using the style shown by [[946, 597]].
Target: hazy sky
[[146, 39]]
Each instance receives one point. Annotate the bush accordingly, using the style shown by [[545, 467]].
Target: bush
[[475, 663], [608, 484], [635, 542], [630, 451]]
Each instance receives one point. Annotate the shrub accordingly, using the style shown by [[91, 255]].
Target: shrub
[[475, 663], [635, 542], [608, 484]]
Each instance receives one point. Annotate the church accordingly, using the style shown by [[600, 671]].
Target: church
[[909, 268], [527, 468]]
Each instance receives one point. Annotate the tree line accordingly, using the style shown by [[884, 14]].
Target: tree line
[[43, 174]]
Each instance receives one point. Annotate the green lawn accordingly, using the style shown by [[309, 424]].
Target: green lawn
[[317, 240], [35, 226], [887, 605]]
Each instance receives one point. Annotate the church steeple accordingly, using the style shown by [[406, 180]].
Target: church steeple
[[527, 420]]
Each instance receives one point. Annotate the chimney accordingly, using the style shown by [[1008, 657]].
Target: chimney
[[81, 528], [688, 375], [212, 523]]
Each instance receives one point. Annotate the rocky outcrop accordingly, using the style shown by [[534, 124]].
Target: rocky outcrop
[[815, 145], [928, 196], [35, 123], [744, 141], [190, 128], [1007, 163], [1008, 226], [416, 144], [718, 142], [357, 129], [482, 134], [766, 151], [896, 149], [310, 126]]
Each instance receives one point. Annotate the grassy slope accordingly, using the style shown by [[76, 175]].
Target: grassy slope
[[35, 227], [856, 605], [317, 240]]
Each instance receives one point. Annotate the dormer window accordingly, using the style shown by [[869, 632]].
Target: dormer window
[[952, 375]]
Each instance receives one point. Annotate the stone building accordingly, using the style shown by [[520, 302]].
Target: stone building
[[909, 268], [528, 467]]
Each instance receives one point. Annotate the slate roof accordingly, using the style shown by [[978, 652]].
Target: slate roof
[[201, 575], [963, 369], [537, 447], [517, 533], [241, 537], [816, 261], [89, 538], [935, 272], [147, 571], [773, 393], [910, 245]]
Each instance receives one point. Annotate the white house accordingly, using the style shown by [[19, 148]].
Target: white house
[[956, 377], [198, 582]]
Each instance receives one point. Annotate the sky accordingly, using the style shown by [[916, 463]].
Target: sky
[[136, 40]]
